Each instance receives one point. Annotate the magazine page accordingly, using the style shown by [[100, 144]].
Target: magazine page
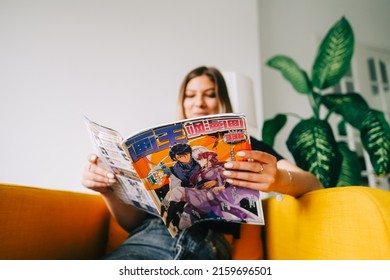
[[130, 189], [181, 166]]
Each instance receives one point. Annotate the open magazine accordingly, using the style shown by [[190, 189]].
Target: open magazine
[[174, 170]]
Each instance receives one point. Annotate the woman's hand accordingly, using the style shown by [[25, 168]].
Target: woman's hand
[[262, 171], [96, 177], [258, 171]]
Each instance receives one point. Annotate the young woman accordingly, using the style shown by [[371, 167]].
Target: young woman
[[203, 92]]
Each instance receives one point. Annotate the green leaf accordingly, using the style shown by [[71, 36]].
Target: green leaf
[[351, 169], [334, 55], [271, 127], [338, 101], [375, 136], [314, 149], [374, 129], [351, 106], [291, 71], [341, 128]]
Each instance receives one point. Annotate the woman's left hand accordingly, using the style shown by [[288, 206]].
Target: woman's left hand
[[258, 170]]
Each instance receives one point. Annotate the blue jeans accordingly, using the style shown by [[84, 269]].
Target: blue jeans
[[152, 241]]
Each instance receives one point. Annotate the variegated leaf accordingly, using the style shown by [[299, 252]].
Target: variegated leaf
[[314, 148], [351, 106], [351, 168], [375, 136], [291, 72], [334, 55]]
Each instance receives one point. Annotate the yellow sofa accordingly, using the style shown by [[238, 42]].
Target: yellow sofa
[[337, 223]]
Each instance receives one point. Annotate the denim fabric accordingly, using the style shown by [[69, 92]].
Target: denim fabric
[[152, 241]]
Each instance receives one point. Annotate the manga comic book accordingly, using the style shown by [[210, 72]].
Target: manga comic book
[[175, 170]]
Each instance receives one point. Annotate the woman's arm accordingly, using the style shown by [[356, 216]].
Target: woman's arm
[[100, 179], [127, 216], [297, 181]]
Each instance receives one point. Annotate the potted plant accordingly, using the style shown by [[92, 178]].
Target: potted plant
[[312, 142]]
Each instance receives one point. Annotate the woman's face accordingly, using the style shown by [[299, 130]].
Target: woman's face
[[200, 98]]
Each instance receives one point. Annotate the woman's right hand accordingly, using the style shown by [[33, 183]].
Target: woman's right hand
[[97, 178]]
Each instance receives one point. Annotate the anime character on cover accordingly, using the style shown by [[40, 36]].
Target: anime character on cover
[[198, 189]]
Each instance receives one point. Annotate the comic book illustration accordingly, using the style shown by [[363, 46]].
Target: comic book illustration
[[181, 165]]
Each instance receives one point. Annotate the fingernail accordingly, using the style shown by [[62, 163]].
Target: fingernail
[[228, 165], [111, 181], [241, 154], [227, 173], [230, 181], [93, 158], [110, 176]]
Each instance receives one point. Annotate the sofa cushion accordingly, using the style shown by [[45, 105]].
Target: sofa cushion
[[45, 224], [334, 223]]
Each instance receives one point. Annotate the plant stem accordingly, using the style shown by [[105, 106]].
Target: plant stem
[[315, 105], [294, 115], [330, 111]]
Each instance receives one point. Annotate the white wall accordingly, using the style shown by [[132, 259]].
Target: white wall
[[60, 59], [118, 62], [293, 28]]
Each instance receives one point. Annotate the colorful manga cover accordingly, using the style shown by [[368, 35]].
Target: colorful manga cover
[[180, 167]]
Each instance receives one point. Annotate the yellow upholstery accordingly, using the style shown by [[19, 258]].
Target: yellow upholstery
[[340, 223], [45, 224], [336, 223]]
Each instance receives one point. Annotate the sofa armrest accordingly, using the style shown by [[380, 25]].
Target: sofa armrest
[[334, 223], [51, 224]]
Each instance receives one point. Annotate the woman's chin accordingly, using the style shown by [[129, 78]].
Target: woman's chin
[[197, 115]]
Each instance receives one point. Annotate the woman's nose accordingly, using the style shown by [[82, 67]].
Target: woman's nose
[[199, 101]]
